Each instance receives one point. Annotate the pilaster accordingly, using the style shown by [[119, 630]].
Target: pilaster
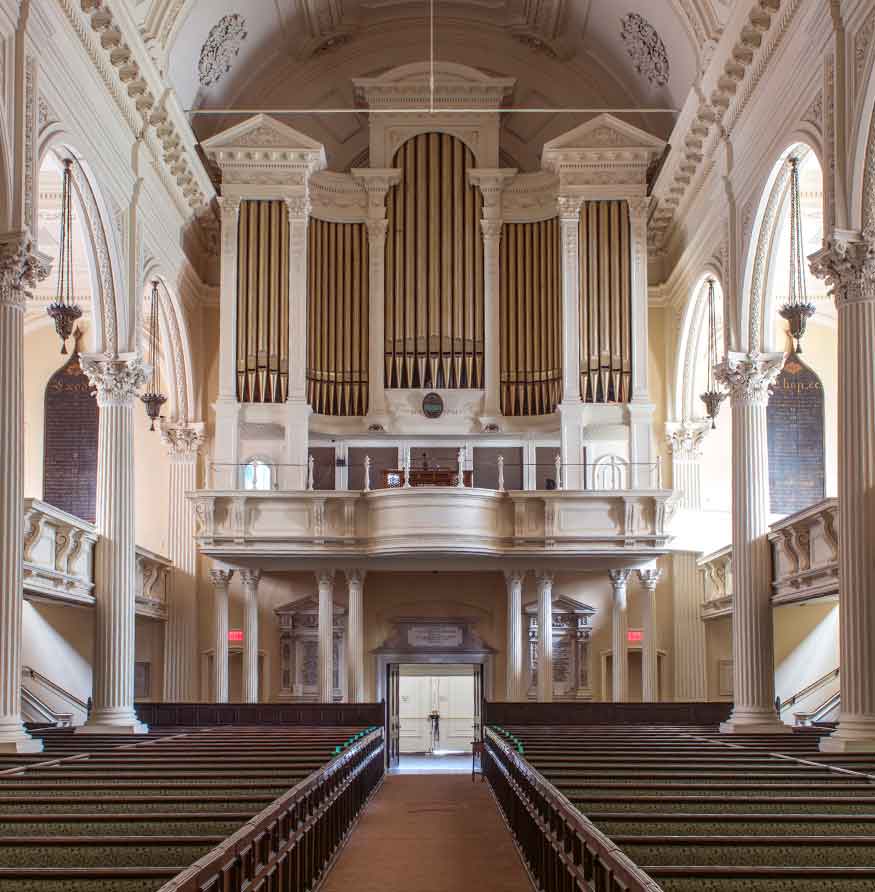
[[117, 380], [355, 636], [749, 378], [183, 442], [690, 669], [685, 444], [514, 656], [649, 661], [325, 580]]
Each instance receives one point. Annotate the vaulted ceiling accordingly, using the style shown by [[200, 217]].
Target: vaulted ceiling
[[304, 53]]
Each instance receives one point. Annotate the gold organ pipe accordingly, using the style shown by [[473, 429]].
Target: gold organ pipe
[[626, 302], [338, 302]]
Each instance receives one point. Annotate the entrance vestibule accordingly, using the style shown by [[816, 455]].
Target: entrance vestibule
[[446, 691]]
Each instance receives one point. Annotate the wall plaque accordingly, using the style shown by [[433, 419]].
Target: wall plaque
[[796, 430], [435, 636], [432, 405]]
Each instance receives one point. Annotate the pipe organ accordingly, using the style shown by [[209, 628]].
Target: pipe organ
[[263, 302], [531, 318], [337, 318], [605, 302], [434, 299], [346, 296]]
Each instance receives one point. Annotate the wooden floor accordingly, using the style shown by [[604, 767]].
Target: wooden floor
[[429, 833]]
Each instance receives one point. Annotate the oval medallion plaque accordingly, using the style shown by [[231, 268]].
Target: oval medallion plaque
[[432, 405]]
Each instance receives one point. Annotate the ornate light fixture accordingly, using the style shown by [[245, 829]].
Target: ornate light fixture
[[798, 309], [153, 398], [64, 309], [713, 396]]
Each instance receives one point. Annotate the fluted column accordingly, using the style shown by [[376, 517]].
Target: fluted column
[[377, 182], [183, 443], [649, 661], [117, 381], [849, 267], [325, 578], [619, 641], [221, 581], [250, 580], [16, 272], [514, 656], [545, 636], [685, 444], [690, 669], [355, 636], [749, 378], [491, 183]]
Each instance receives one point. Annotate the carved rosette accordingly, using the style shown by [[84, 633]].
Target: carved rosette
[[848, 268], [117, 381], [749, 377]]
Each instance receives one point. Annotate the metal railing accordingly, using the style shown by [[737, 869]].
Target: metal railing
[[810, 689], [54, 687], [292, 843], [562, 850]]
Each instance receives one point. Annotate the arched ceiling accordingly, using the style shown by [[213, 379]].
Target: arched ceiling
[[303, 53]]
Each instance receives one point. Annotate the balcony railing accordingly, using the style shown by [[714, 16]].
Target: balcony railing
[[446, 520], [153, 583], [716, 570]]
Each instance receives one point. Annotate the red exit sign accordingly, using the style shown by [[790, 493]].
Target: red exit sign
[[235, 635], [634, 635]]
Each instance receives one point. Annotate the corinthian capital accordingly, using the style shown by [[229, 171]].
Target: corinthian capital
[[749, 376], [182, 439], [685, 439], [847, 265], [117, 379], [21, 267], [569, 207]]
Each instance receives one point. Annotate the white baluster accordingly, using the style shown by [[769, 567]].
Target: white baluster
[[558, 472], [461, 457], [367, 486], [310, 462], [501, 473]]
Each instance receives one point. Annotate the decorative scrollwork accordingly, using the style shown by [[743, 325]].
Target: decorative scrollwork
[[645, 48], [220, 49]]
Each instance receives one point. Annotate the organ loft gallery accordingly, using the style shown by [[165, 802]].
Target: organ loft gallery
[[437, 445]]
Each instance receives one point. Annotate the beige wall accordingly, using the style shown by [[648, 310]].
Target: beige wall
[[806, 645]]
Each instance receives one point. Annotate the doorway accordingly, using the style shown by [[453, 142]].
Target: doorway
[[433, 714]]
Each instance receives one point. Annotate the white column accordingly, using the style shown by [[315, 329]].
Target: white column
[[685, 444], [221, 581], [225, 474], [649, 663], [183, 443], [690, 667], [355, 636], [294, 476], [749, 378], [491, 182], [325, 579], [571, 408], [514, 657], [545, 636], [117, 381], [15, 274], [850, 270], [377, 182], [250, 580], [619, 641]]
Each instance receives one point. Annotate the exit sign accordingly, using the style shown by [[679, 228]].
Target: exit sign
[[635, 635], [235, 635]]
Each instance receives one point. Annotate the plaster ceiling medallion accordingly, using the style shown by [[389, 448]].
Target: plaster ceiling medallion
[[645, 48], [220, 49]]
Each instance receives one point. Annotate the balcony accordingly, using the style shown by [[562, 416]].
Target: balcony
[[287, 528], [59, 562], [716, 569]]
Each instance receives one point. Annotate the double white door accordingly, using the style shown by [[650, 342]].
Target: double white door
[[451, 696]]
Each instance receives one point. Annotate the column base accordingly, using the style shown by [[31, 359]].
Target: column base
[[754, 723], [14, 739], [110, 722], [853, 735]]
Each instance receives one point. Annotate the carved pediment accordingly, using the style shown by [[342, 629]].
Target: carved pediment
[[563, 606], [604, 131]]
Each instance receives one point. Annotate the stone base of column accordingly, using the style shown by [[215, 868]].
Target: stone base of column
[[113, 723], [750, 722], [14, 739], [853, 735]]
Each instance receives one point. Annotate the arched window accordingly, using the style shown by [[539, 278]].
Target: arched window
[[257, 475]]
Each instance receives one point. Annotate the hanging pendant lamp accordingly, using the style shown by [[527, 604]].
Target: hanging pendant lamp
[[713, 396], [64, 309], [153, 398], [798, 309]]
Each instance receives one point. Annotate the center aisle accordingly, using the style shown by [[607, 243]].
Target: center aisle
[[429, 833]]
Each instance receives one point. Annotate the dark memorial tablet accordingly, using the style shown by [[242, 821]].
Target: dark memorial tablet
[[795, 429], [432, 405]]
